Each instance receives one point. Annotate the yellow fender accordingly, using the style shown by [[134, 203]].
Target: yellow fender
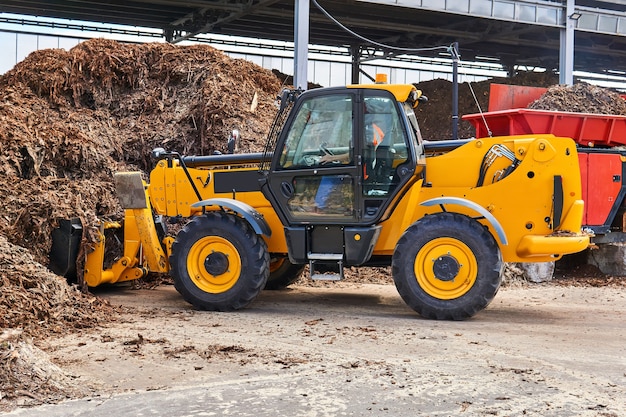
[[253, 217], [473, 206]]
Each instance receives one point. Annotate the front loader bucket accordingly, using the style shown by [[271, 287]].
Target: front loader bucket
[[65, 246]]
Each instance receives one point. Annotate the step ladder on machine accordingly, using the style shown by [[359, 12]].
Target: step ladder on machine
[[326, 266]]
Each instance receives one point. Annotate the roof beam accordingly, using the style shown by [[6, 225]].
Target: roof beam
[[174, 35]]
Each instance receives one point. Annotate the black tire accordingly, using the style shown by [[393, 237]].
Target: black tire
[[447, 266], [283, 273], [219, 263]]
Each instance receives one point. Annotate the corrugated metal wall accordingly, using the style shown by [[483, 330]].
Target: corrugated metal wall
[[324, 69]]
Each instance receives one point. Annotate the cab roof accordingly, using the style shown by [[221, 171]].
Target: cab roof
[[402, 92]]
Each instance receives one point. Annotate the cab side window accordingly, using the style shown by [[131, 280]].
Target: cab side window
[[384, 145]]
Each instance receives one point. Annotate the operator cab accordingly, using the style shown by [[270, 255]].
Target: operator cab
[[340, 163]]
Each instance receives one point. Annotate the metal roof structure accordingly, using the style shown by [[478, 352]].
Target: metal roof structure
[[521, 32]]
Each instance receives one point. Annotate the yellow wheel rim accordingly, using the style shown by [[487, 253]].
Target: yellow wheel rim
[[275, 264], [214, 264], [445, 268]]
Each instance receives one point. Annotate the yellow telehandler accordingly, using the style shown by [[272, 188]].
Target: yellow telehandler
[[347, 180]]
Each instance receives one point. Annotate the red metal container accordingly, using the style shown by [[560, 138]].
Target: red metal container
[[587, 129], [603, 188], [505, 96]]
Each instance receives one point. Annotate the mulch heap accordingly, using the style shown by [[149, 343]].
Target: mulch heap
[[68, 121], [581, 98], [40, 303], [435, 116]]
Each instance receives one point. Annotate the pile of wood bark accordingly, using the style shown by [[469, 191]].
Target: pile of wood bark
[[69, 120], [581, 98], [435, 116], [35, 303]]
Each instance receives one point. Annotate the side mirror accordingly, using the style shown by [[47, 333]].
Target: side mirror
[[157, 153]]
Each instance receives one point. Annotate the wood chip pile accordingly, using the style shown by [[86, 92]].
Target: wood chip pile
[[435, 116], [34, 303], [581, 98], [28, 376], [70, 119]]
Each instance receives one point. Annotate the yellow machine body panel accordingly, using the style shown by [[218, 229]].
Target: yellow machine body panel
[[402, 92], [521, 205], [172, 194], [522, 234]]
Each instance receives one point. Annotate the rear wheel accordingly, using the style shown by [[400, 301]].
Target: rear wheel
[[219, 263], [283, 273], [447, 266]]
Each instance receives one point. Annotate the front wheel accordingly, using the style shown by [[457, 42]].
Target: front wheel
[[447, 266], [219, 263]]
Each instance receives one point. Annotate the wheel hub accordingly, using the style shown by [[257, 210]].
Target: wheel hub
[[446, 268], [216, 263]]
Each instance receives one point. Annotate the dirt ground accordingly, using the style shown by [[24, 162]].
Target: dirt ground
[[542, 349]]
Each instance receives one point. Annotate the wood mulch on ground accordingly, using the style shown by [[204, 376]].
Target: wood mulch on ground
[[68, 121]]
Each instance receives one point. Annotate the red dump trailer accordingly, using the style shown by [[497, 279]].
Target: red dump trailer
[[602, 158], [587, 129]]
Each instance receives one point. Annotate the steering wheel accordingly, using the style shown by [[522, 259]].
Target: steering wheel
[[325, 152], [310, 160]]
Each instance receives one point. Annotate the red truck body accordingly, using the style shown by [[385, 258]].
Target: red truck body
[[585, 128]]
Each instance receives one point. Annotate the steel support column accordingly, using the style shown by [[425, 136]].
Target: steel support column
[[301, 35], [355, 55], [566, 56]]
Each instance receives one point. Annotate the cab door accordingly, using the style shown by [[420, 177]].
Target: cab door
[[337, 159], [315, 167]]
